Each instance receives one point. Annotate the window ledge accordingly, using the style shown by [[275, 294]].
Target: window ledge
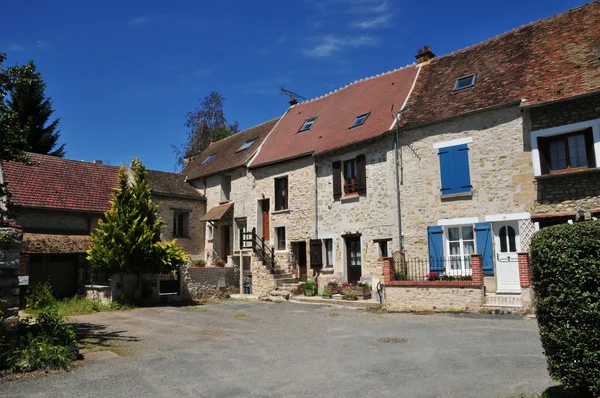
[[181, 237], [567, 173], [283, 211], [327, 270], [281, 251], [350, 198], [459, 195]]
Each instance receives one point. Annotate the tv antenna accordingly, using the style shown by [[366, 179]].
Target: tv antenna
[[293, 96]]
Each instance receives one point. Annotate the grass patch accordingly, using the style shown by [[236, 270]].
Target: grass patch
[[92, 344], [80, 306], [334, 315], [196, 309], [240, 316]]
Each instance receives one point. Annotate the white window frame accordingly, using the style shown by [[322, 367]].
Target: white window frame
[[463, 271], [362, 118], [246, 145], [308, 123], [560, 130], [473, 77]]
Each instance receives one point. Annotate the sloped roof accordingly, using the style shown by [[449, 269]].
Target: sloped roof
[[50, 243], [65, 184], [217, 212], [381, 95], [162, 182], [543, 61], [226, 152]]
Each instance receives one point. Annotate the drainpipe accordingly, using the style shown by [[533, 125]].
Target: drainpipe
[[399, 169], [316, 211]]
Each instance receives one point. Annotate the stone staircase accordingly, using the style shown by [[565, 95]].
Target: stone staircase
[[503, 302], [285, 280]]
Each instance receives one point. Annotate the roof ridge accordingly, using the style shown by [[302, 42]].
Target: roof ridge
[[241, 132], [502, 35], [71, 160], [352, 84]]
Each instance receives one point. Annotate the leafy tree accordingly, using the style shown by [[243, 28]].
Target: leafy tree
[[28, 100], [206, 124], [12, 133], [128, 240]]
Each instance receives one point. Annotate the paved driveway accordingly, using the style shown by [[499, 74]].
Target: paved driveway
[[243, 349]]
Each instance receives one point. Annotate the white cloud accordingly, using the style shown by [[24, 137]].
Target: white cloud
[[42, 45], [331, 44], [138, 21], [379, 21], [16, 47]]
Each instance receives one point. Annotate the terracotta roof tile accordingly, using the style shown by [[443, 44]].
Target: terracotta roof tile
[[225, 150], [171, 184], [381, 95], [543, 61], [217, 212]]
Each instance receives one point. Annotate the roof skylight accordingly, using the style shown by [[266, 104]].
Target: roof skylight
[[246, 145], [208, 159], [360, 120], [465, 82], [308, 123]]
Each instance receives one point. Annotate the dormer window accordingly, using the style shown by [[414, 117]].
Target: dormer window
[[308, 123], [246, 145], [208, 159], [465, 82], [360, 120]]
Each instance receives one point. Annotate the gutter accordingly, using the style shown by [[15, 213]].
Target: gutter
[[175, 196], [316, 211], [557, 100]]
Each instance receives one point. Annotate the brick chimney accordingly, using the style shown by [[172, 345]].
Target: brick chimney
[[424, 54]]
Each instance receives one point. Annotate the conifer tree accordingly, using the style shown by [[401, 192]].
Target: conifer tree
[[33, 109], [128, 240]]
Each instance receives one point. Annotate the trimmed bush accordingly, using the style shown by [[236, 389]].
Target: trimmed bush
[[565, 271]]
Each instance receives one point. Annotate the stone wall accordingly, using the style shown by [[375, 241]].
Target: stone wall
[[194, 242], [500, 166], [373, 215], [565, 112], [55, 221], [262, 281], [201, 283], [10, 248], [433, 298]]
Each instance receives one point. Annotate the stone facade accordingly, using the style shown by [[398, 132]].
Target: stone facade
[[201, 283], [500, 167], [373, 215], [193, 243], [406, 299], [56, 221], [10, 248], [566, 193], [262, 281]]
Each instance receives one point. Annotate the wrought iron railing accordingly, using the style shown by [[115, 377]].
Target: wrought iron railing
[[453, 268], [260, 248]]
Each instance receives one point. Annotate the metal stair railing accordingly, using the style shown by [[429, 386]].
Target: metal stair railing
[[262, 250]]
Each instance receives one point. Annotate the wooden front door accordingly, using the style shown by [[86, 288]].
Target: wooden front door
[[353, 259], [266, 222], [226, 241], [302, 266]]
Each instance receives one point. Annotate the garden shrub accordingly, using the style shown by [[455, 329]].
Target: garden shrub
[[39, 296], [565, 271]]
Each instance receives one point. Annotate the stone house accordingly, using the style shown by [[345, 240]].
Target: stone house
[[327, 168], [59, 202]]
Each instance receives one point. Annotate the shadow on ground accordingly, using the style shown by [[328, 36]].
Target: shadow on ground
[[561, 392], [100, 336]]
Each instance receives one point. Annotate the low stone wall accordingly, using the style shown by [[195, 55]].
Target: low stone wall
[[209, 282], [262, 281], [10, 253], [98, 292], [400, 298]]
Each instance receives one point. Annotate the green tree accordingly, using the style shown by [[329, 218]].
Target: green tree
[[28, 100], [12, 133], [128, 240], [206, 124]]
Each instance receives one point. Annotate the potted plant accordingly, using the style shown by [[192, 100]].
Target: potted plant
[[220, 263], [199, 263], [327, 293], [363, 289], [333, 286], [308, 288], [433, 276], [350, 294]]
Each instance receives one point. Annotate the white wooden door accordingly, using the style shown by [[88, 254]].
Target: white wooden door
[[506, 236]]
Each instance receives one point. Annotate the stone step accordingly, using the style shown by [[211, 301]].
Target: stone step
[[283, 281], [503, 300]]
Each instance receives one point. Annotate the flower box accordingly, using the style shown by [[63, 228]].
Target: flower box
[[363, 292]]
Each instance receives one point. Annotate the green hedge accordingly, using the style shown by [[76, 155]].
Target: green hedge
[[565, 271]]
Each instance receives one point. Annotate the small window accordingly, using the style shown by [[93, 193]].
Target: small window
[[280, 231], [308, 123], [508, 242], [465, 82], [225, 188], [454, 169], [360, 120], [328, 243], [281, 193], [246, 145], [211, 232], [383, 248], [567, 152], [180, 224], [208, 159], [242, 227]]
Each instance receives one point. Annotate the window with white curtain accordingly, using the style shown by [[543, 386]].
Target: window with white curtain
[[460, 244]]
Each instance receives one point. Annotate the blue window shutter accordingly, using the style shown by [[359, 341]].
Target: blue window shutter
[[447, 170], [435, 239], [483, 235], [461, 168]]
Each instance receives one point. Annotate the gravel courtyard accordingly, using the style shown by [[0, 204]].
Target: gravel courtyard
[[248, 349]]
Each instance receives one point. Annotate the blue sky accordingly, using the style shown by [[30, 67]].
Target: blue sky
[[122, 74]]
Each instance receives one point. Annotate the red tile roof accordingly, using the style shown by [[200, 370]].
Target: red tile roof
[[58, 183], [225, 150], [381, 95], [64, 184], [550, 59]]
